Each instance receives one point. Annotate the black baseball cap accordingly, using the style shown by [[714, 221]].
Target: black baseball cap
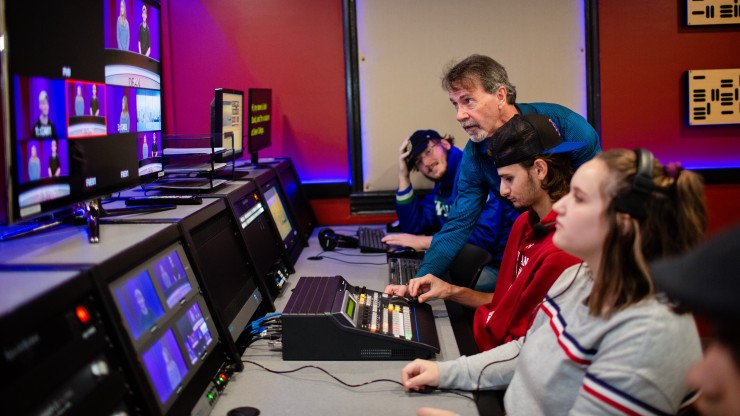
[[418, 142], [707, 279], [524, 137]]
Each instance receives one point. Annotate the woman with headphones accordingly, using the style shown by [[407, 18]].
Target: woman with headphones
[[603, 341]]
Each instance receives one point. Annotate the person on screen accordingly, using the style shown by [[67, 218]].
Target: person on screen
[[144, 148], [55, 165], [94, 104], [165, 276], [34, 165], [154, 144], [173, 373], [122, 29], [43, 126], [419, 217], [484, 99], [125, 118], [175, 270], [146, 315], [145, 41], [79, 103], [604, 340]]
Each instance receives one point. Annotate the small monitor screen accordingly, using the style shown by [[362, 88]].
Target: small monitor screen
[[259, 235], [138, 301], [232, 120], [259, 119], [171, 277], [194, 331], [279, 215], [165, 365]]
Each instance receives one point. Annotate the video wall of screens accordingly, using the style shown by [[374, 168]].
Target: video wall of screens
[[84, 100], [167, 321]]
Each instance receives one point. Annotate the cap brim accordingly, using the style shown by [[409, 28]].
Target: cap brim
[[566, 147]]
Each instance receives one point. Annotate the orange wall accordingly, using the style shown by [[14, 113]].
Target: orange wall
[[645, 50]]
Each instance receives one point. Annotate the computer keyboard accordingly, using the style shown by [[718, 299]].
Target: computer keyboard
[[370, 240], [401, 270]]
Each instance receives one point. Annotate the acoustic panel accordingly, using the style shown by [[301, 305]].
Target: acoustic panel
[[712, 12], [714, 96]]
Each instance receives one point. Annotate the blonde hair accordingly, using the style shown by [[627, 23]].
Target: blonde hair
[[675, 222]]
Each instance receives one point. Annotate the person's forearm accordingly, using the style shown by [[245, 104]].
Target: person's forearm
[[403, 181], [469, 297]]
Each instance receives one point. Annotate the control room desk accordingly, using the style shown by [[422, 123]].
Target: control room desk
[[312, 392]]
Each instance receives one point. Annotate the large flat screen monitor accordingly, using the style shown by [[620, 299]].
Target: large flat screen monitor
[[227, 122], [82, 101], [167, 322]]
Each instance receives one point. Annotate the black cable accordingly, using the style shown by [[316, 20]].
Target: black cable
[[352, 262], [387, 380]]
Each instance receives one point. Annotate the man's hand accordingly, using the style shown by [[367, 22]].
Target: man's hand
[[398, 290], [404, 179], [417, 242], [429, 287]]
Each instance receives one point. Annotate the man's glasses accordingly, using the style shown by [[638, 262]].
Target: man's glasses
[[425, 154]]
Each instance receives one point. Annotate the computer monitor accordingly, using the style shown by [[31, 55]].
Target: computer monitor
[[227, 122], [259, 121], [84, 101], [166, 321], [275, 198], [264, 244]]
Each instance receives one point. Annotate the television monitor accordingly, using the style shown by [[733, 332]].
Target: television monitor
[[262, 241], [83, 102], [166, 321], [259, 121], [274, 196], [227, 122]]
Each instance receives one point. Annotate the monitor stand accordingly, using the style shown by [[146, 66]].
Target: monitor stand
[[88, 212]]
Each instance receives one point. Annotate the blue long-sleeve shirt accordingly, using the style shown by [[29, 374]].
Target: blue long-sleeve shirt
[[427, 215], [478, 176]]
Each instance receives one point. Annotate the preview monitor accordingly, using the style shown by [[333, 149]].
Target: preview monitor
[[227, 121], [281, 217], [168, 324], [259, 121], [82, 101]]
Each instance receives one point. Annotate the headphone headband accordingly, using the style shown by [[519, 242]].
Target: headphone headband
[[633, 202]]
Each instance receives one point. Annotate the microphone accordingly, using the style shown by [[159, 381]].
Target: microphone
[[540, 229]]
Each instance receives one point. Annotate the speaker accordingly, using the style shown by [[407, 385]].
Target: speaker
[[633, 202], [329, 240]]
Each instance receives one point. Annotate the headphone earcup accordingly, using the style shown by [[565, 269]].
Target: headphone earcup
[[327, 239]]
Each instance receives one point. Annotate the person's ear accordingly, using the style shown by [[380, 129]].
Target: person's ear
[[445, 145], [540, 169], [501, 93]]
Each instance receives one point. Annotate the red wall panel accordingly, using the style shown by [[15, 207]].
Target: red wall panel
[[645, 50]]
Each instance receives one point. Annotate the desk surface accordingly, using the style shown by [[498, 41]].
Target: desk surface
[[312, 392]]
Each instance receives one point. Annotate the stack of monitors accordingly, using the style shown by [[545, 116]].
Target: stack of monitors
[[166, 321], [84, 101]]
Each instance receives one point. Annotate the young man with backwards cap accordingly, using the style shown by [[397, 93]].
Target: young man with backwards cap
[[485, 99], [706, 281], [533, 162], [438, 160]]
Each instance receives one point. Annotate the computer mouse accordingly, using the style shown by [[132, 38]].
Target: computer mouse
[[401, 249], [243, 411], [424, 390]]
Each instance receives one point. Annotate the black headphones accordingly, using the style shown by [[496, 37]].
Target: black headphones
[[633, 202], [329, 240]]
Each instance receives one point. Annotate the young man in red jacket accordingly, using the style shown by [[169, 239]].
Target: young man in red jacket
[[535, 170]]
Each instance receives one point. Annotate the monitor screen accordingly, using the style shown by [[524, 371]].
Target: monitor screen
[[262, 242], [259, 120], [84, 100], [169, 325], [278, 212], [227, 121]]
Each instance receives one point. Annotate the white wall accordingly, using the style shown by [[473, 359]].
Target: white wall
[[404, 46]]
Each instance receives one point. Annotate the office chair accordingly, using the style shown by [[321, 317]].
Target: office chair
[[468, 265]]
